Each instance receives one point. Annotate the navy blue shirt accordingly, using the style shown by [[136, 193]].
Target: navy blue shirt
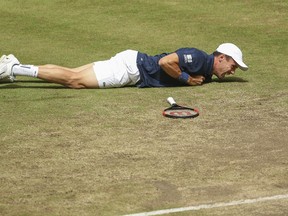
[[191, 61]]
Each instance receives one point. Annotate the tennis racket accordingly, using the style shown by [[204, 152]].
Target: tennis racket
[[177, 111]]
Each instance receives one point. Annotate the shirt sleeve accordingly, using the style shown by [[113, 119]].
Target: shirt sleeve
[[191, 60]]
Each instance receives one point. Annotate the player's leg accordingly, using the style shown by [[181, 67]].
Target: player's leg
[[121, 70], [81, 77], [78, 69]]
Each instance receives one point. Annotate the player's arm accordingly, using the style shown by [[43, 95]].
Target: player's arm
[[170, 64]]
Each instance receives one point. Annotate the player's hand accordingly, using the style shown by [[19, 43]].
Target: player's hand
[[196, 80]]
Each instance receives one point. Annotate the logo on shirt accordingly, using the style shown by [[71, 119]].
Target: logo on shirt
[[188, 58]]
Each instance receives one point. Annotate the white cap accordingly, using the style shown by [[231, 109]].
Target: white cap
[[233, 51]]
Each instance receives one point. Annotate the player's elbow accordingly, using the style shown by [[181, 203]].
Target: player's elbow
[[163, 62], [169, 60]]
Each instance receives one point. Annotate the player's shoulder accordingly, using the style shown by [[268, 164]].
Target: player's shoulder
[[189, 54]]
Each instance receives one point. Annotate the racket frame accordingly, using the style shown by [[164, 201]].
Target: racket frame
[[177, 109]]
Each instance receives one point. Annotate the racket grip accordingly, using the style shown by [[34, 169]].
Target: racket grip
[[171, 101]]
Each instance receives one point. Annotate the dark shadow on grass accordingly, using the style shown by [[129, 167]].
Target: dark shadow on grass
[[17, 84], [31, 81], [56, 86], [229, 79], [14, 86]]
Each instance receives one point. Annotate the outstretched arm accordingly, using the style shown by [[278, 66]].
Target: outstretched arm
[[170, 64]]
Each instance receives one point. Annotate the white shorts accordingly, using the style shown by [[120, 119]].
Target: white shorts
[[121, 70]]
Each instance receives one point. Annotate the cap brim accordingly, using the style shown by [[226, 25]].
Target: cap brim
[[241, 65]]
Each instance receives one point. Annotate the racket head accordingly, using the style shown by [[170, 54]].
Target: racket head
[[176, 111]]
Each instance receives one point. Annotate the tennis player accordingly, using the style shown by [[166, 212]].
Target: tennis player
[[184, 67]]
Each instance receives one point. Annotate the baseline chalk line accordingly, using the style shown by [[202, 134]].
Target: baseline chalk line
[[210, 206]]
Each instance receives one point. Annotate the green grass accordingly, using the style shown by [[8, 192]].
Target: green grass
[[111, 152]]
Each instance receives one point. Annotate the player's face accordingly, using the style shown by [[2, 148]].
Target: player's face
[[226, 66]]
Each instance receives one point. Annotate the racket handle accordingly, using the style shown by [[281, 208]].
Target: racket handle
[[171, 101]]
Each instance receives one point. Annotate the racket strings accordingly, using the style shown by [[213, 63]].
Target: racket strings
[[181, 113]]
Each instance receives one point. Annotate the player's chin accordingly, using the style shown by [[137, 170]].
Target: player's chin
[[221, 77]]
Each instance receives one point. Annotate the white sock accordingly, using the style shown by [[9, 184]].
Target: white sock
[[25, 70]]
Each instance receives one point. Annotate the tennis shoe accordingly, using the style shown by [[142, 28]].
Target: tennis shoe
[[2, 58], [6, 65]]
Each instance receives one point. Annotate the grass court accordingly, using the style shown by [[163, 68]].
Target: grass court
[[111, 152]]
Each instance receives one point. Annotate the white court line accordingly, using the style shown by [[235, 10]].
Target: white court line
[[210, 206]]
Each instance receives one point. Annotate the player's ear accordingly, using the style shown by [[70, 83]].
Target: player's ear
[[221, 57]]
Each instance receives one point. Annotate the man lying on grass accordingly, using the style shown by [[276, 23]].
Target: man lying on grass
[[185, 66]]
